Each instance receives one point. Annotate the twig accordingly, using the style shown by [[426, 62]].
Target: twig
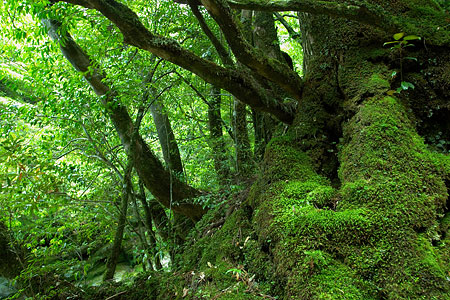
[[118, 294]]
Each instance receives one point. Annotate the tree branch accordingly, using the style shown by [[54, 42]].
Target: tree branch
[[249, 56], [292, 33], [237, 82], [223, 54], [344, 9]]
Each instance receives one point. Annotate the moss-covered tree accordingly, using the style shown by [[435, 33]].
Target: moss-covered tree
[[352, 202]]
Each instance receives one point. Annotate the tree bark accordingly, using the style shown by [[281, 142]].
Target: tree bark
[[265, 37], [149, 225], [166, 138], [244, 158], [219, 152], [381, 192]]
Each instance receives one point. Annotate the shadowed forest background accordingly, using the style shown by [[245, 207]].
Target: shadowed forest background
[[213, 149]]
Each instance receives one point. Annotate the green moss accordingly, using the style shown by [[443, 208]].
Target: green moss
[[360, 78], [445, 224], [424, 18], [257, 261], [442, 163], [285, 161], [333, 281], [206, 242], [387, 169], [321, 197], [377, 82], [383, 166]]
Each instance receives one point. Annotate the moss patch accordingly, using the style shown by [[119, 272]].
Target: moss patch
[[387, 169]]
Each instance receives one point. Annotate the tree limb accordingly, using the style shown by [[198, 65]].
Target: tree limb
[[223, 54], [344, 9], [292, 33], [237, 82], [256, 60]]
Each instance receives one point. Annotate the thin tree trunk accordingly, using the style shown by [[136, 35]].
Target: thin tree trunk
[[244, 158], [261, 139], [149, 226], [117, 244], [216, 137], [166, 137]]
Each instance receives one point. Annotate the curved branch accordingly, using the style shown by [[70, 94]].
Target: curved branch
[[292, 33], [270, 69], [223, 54], [237, 82]]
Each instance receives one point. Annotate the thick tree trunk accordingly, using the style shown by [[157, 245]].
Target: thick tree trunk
[[364, 219]]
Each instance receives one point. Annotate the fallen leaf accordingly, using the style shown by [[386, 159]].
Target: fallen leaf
[[185, 292]]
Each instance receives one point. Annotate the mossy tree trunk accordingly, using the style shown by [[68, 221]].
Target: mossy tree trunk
[[365, 214], [218, 146], [264, 37]]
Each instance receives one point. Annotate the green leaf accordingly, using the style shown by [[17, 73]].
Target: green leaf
[[411, 58], [388, 43], [398, 36], [411, 38], [406, 85], [391, 92]]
